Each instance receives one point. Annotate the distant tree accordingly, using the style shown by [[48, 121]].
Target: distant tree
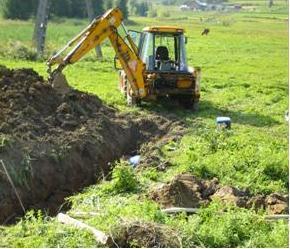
[[139, 8], [98, 6], [19, 9], [169, 2], [215, 1], [132, 7], [24, 9], [62, 8], [108, 4], [122, 4], [143, 8], [69, 8], [152, 13], [77, 9]]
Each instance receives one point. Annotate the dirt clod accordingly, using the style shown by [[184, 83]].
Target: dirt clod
[[256, 202], [188, 191], [183, 191], [231, 195], [276, 204], [146, 235], [152, 155]]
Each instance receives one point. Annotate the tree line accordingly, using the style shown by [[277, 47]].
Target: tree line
[[23, 10], [176, 2]]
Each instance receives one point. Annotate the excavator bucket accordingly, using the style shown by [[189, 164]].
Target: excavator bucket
[[59, 83]]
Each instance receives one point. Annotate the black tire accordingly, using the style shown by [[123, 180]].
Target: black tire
[[195, 106], [188, 102]]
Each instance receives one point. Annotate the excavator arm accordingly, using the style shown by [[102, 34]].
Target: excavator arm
[[101, 28]]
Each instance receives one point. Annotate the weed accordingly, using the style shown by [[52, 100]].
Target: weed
[[21, 174], [58, 154], [151, 174], [165, 14], [5, 142], [152, 13], [124, 178], [18, 50], [229, 226], [43, 232]]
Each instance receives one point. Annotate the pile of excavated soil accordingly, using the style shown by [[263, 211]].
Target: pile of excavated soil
[[54, 144], [188, 191], [136, 234]]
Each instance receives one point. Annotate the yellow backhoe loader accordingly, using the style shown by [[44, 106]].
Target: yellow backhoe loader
[[153, 62]]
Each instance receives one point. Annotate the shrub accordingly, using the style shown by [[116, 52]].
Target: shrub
[[18, 50], [124, 178], [24, 52], [139, 8], [152, 13], [151, 174], [165, 14], [18, 9]]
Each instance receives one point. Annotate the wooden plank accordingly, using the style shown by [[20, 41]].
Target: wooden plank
[[100, 237]]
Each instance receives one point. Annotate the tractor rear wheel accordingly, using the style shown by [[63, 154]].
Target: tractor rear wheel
[[188, 102], [195, 106]]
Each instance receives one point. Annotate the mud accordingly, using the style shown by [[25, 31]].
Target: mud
[[187, 191], [54, 143]]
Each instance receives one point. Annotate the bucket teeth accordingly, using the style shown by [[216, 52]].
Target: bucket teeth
[[59, 83]]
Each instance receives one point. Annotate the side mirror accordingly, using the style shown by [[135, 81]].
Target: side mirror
[[117, 64], [185, 39]]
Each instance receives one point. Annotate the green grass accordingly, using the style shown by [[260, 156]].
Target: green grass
[[245, 76]]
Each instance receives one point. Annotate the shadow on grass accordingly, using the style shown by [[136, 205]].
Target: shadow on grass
[[208, 110]]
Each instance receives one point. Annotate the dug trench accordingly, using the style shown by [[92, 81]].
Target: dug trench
[[53, 143]]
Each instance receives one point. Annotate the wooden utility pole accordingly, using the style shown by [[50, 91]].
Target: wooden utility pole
[[271, 3], [91, 15], [41, 26]]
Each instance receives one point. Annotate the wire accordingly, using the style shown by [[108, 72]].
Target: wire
[[13, 186]]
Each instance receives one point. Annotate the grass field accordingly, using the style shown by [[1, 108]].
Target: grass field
[[244, 63]]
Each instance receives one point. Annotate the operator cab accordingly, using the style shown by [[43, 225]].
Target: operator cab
[[163, 49]]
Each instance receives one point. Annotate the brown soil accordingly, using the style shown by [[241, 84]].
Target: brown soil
[[188, 191], [151, 153], [136, 234], [53, 144]]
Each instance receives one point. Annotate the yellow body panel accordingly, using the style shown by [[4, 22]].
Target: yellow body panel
[[100, 29], [164, 29], [184, 83]]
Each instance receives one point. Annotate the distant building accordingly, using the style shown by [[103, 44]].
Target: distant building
[[198, 5], [184, 7]]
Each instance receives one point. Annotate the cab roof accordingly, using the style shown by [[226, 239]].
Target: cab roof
[[164, 29]]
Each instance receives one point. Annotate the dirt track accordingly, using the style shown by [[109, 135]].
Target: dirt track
[[54, 144]]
